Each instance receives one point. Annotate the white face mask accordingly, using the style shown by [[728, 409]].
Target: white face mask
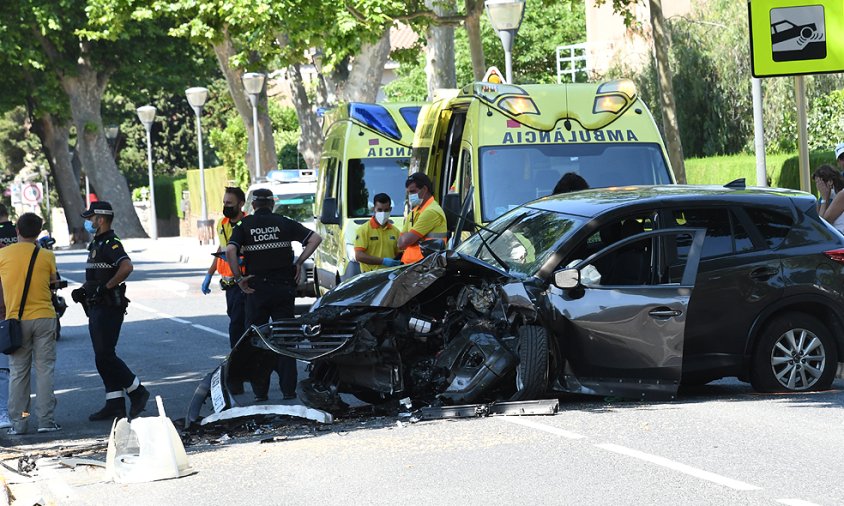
[[382, 217]]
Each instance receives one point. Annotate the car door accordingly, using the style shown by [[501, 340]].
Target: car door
[[626, 340]]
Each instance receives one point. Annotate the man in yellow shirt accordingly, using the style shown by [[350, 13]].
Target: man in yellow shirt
[[426, 220], [376, 241], [38, 325]]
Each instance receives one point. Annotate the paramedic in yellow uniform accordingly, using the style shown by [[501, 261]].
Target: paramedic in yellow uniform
[[426, 220], [376, 241]]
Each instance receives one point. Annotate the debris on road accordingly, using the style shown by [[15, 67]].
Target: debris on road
[[515, 408], [296, 410], [146, 449]]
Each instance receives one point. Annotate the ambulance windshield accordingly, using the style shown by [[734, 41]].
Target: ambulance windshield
[[298, 207], [513, 175], [371, 176]]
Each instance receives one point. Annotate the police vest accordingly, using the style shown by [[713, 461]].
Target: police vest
[[105, 253], [264, 239], [8, 234]]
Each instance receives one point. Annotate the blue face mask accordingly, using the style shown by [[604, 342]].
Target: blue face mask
[[414, 199], [89, 226]]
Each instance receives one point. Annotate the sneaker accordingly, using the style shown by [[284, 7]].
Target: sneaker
[[50, 427], [5, 423]]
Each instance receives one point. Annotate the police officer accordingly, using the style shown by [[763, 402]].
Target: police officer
[[8, 235], [270, 284], [426, 219], [103, 297]]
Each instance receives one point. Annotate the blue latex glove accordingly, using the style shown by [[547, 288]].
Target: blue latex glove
[[391, 262], [206, 284]]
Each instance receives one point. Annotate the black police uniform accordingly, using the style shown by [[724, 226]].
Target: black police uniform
[[106, 309], [264, 241], [8, 234]]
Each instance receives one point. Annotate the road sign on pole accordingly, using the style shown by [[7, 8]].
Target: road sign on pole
[[789, 37], [32, 193]]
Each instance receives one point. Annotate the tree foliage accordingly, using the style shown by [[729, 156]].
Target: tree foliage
[[534, 50]]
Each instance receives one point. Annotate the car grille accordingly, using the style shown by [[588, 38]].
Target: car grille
[[304, 342]]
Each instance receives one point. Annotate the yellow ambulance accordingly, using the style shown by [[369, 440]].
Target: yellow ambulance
[[514, 143], [366, 151]]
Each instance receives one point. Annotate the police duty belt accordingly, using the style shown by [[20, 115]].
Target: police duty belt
[[265, 246]]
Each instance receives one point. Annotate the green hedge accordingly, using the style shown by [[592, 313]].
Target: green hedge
[[782, 169], [215, 185], [167, 197]]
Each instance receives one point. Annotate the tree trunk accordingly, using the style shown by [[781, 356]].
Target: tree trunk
[[224, 50], [666, 95], [85, 90], [310, 144], [474, 11], [55, 136], [367, 70], [439, 66]]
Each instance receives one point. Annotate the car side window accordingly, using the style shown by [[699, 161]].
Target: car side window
[[773, 225], [724, 234]]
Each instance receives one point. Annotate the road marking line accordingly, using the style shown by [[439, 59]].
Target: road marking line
[[796, 502], [541, 426], [179, 320], [677, 466], [208, 329]]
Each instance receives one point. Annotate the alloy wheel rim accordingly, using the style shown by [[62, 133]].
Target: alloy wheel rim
[[798, 359]]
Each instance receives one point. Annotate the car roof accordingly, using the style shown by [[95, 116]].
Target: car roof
[[593, 202]]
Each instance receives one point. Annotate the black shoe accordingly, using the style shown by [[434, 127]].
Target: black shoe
[[109, 412], [138, 399], [287, 397], [260, 398]]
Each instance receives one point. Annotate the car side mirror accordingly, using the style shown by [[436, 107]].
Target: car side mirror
[[329, 216], [567, 278]]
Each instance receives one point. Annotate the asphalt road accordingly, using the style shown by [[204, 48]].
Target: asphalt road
[[718, 444]]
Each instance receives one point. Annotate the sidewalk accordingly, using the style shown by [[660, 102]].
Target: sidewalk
[[185, 250]]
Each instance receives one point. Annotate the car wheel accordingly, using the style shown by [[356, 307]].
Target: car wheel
[[532, 371], [796, 353]]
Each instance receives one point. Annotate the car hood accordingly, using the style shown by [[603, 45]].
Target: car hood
[[393, 288]]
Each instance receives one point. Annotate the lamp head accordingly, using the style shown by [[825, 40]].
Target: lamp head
[[253, 82], [197, 96], [505, 14], [146, 113]]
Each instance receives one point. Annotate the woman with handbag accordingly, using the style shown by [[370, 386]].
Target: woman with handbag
[[28, 334]]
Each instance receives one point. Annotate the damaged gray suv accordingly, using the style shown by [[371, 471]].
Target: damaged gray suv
[[625, 292]]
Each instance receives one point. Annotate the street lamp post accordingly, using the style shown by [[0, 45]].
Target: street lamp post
[[506, 17], [197, 97], [254, 83], [146, 113]]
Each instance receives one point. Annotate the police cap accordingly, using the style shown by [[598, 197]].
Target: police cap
[[99, 207], [262, 195]]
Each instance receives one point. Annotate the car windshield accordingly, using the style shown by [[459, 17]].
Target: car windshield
[[513, 175], [298, 207], [523, 239], [371, 176]]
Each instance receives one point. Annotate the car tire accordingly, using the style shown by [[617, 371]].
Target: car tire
[[532, 372], [796, 352]]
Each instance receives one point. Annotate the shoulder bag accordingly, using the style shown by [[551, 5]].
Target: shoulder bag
[[11, 336]]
